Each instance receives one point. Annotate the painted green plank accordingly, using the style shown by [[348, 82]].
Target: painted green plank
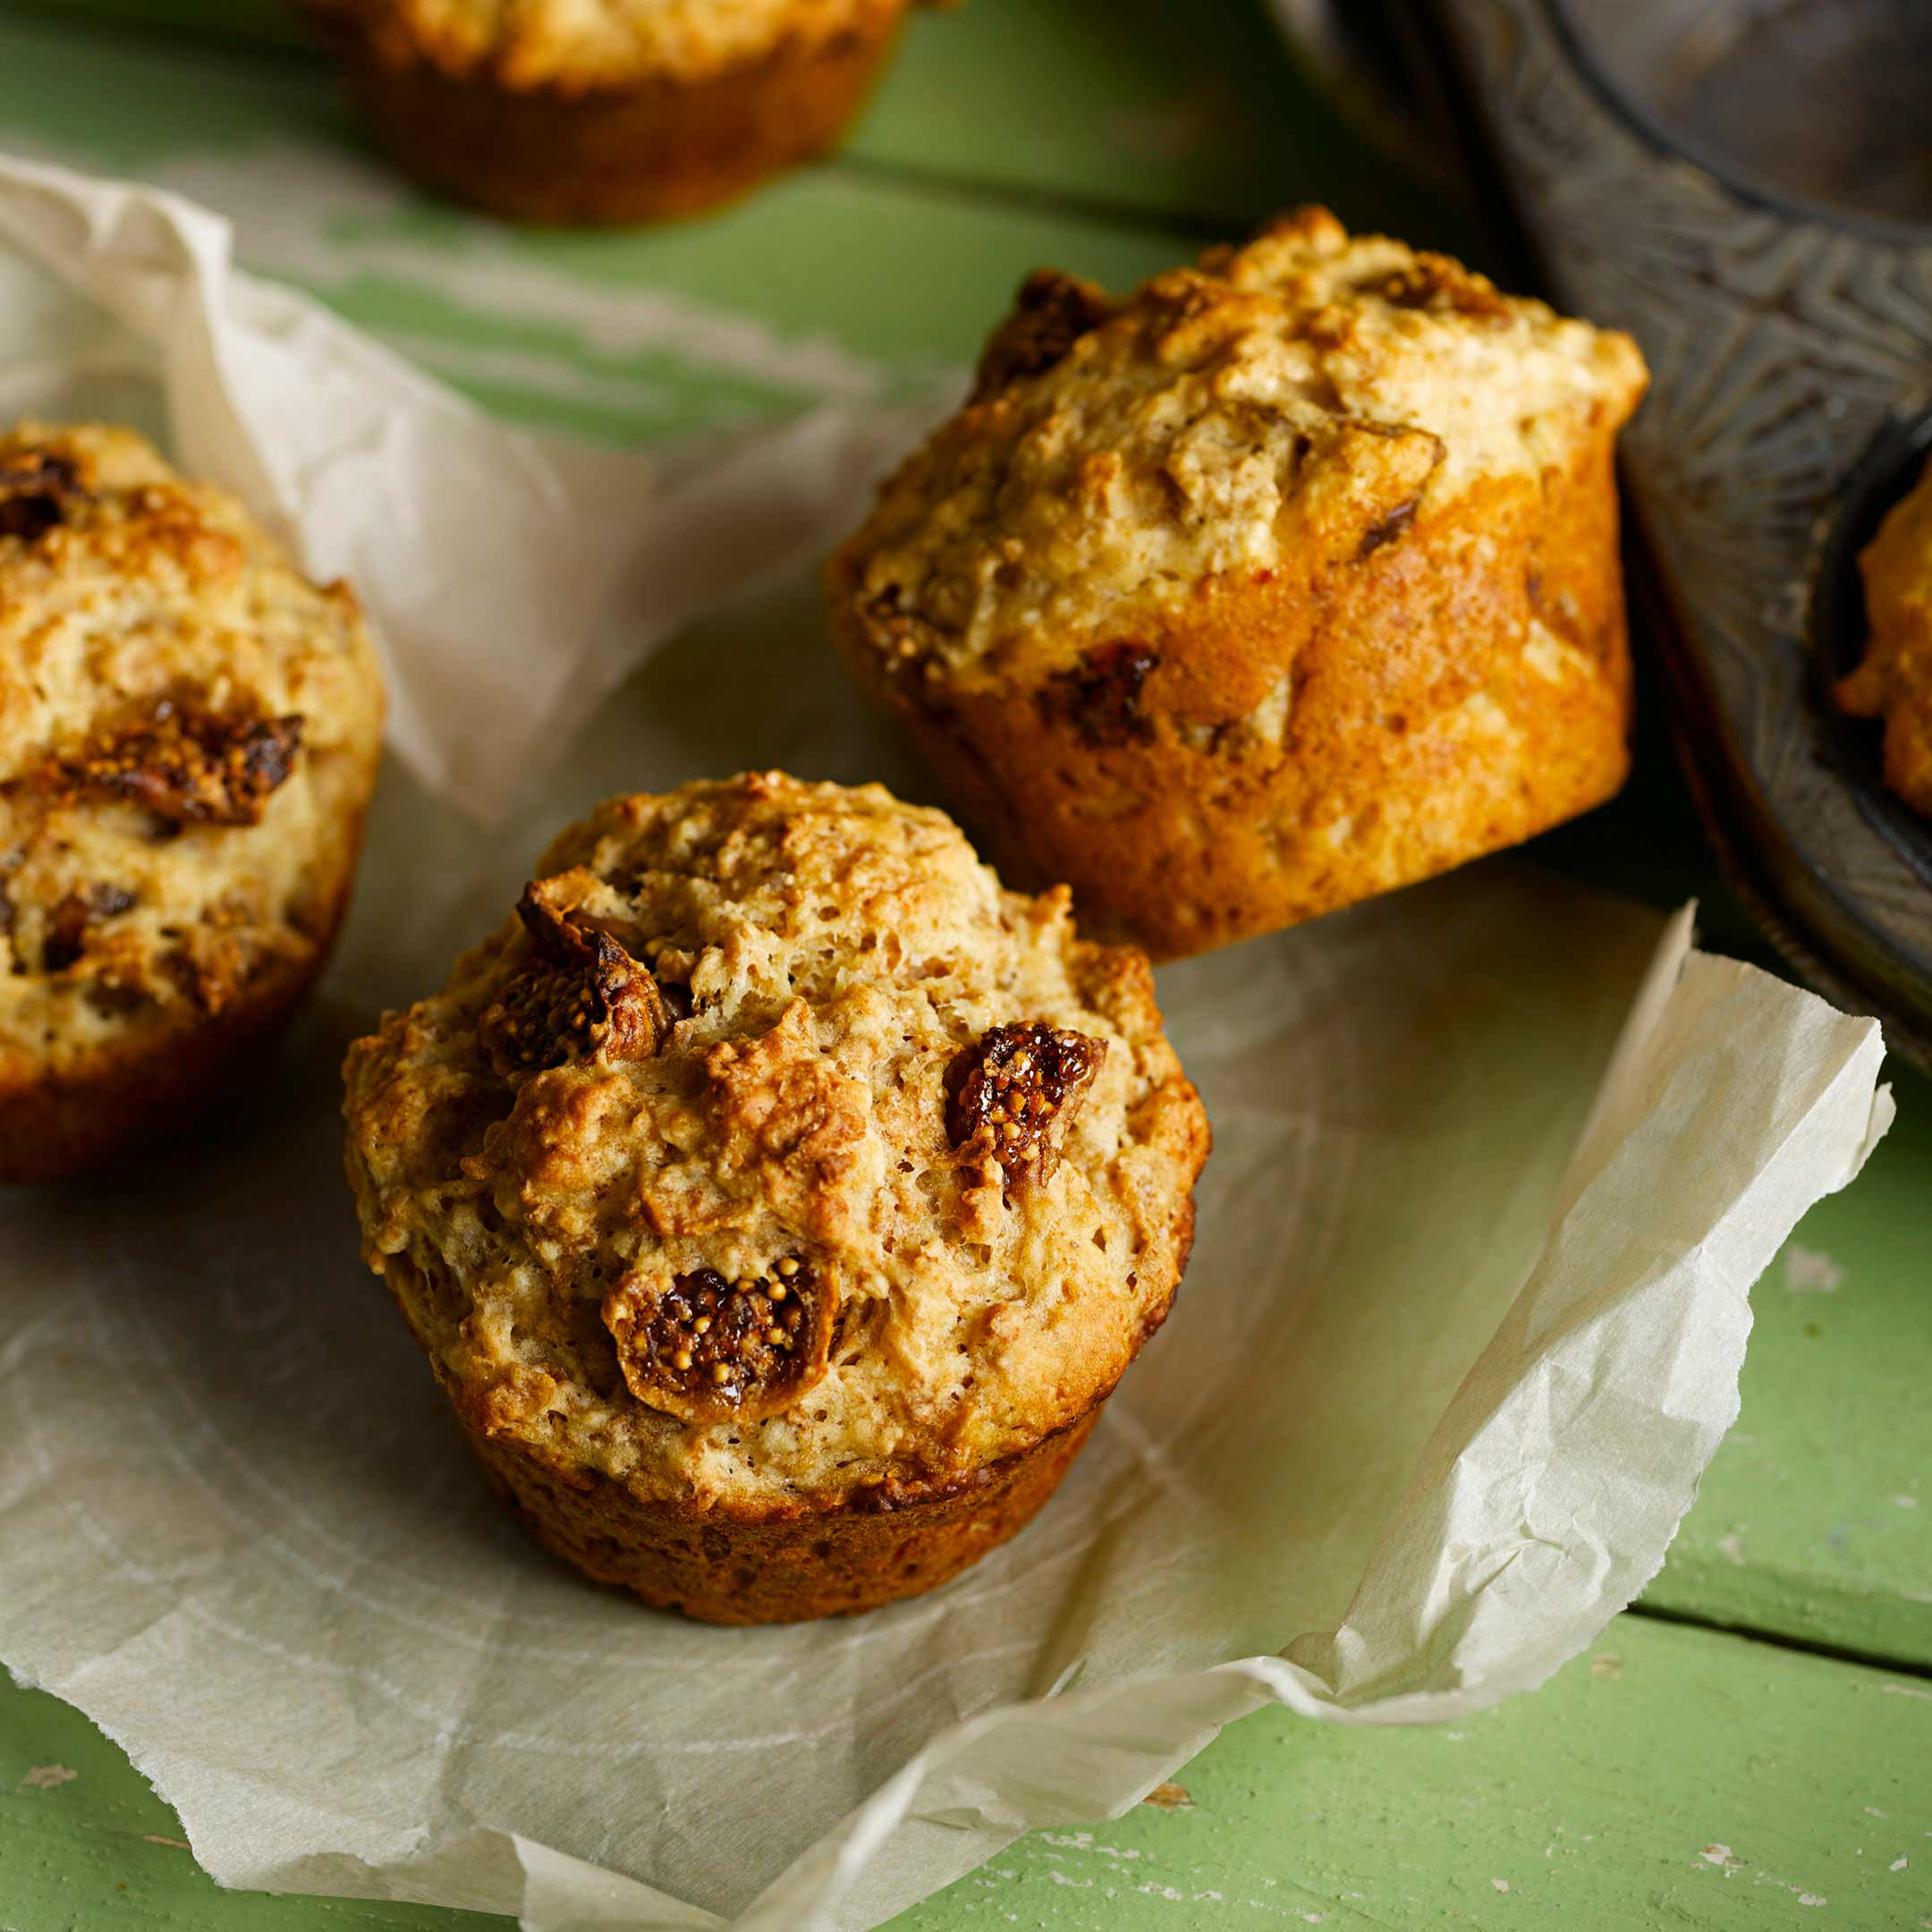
[[1675, 1777], [800, 296], [267, 23], [1197, 110], [1816, 1517], [1196, 113], [84, 1842]]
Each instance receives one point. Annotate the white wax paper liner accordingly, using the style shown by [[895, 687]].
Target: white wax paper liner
[[1426, 1418]]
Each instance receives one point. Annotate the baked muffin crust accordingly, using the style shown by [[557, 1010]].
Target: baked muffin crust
[[189, 733], [1183, 433], [1893, 681], [826, 1231], [577, 46], [1207, 553]]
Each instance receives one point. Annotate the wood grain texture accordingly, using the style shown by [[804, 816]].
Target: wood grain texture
[[260, 23], [1815, 1519], [626, 337], [1781, 345], [85, 1844], [1196, 113], [1672, 1777]]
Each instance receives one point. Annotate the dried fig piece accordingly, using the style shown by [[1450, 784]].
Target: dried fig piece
[[584, 994], [206, 969], [1438, 282], [555, 1013], [67, 924], [1386, 528], [1014, 1093], [36, 490], [185, 764], [1100, 698], [708, 1349], [1051, 313]]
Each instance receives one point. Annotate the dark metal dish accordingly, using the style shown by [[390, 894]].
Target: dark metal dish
[[1651, 153], [1820, 105]]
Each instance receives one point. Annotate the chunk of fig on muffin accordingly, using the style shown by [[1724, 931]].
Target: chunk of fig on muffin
[[1289, 578], [805, 1298], [189, 737]]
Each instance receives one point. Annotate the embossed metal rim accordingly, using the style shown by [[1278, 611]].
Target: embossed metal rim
[[1888, 468], [1574, 41], [1842, 899]]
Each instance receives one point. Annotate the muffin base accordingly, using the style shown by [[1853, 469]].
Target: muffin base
[[52, 1129], [776, 1569], [653, 150], [1416, 733]]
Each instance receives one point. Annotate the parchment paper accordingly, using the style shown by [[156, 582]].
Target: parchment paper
[[1496, 1163], [513, 579]]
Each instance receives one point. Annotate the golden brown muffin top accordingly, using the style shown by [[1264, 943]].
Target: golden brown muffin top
[[771, 1151], [1893, 681], [1116, 454], [187, 729], [584, 44]]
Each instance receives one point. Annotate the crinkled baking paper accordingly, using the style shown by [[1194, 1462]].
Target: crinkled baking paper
[[1496, 1164]]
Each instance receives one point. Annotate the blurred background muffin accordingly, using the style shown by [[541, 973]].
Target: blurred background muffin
[[189, 737], [607, 111], [777, 1197], [1289, 578]]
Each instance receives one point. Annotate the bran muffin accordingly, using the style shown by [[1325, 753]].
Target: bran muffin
[[1289, 578], [777, 1197], [189, 737], [607, 111], [1893, 680]]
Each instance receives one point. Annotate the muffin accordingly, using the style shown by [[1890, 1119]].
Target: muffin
[[1287, 579], [188, 736], [607, 111], [1893, 682], [777, 1197]]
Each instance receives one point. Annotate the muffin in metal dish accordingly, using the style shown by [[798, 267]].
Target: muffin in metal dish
[[189, 737], [777, 1197], [1893, 680], [1289, 578]]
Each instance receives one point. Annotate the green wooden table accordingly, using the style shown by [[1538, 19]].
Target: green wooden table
[[1752, 1744]]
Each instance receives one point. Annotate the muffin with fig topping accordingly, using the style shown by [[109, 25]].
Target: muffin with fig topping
[[777, 1197], [189, 737], [1290, 578]]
